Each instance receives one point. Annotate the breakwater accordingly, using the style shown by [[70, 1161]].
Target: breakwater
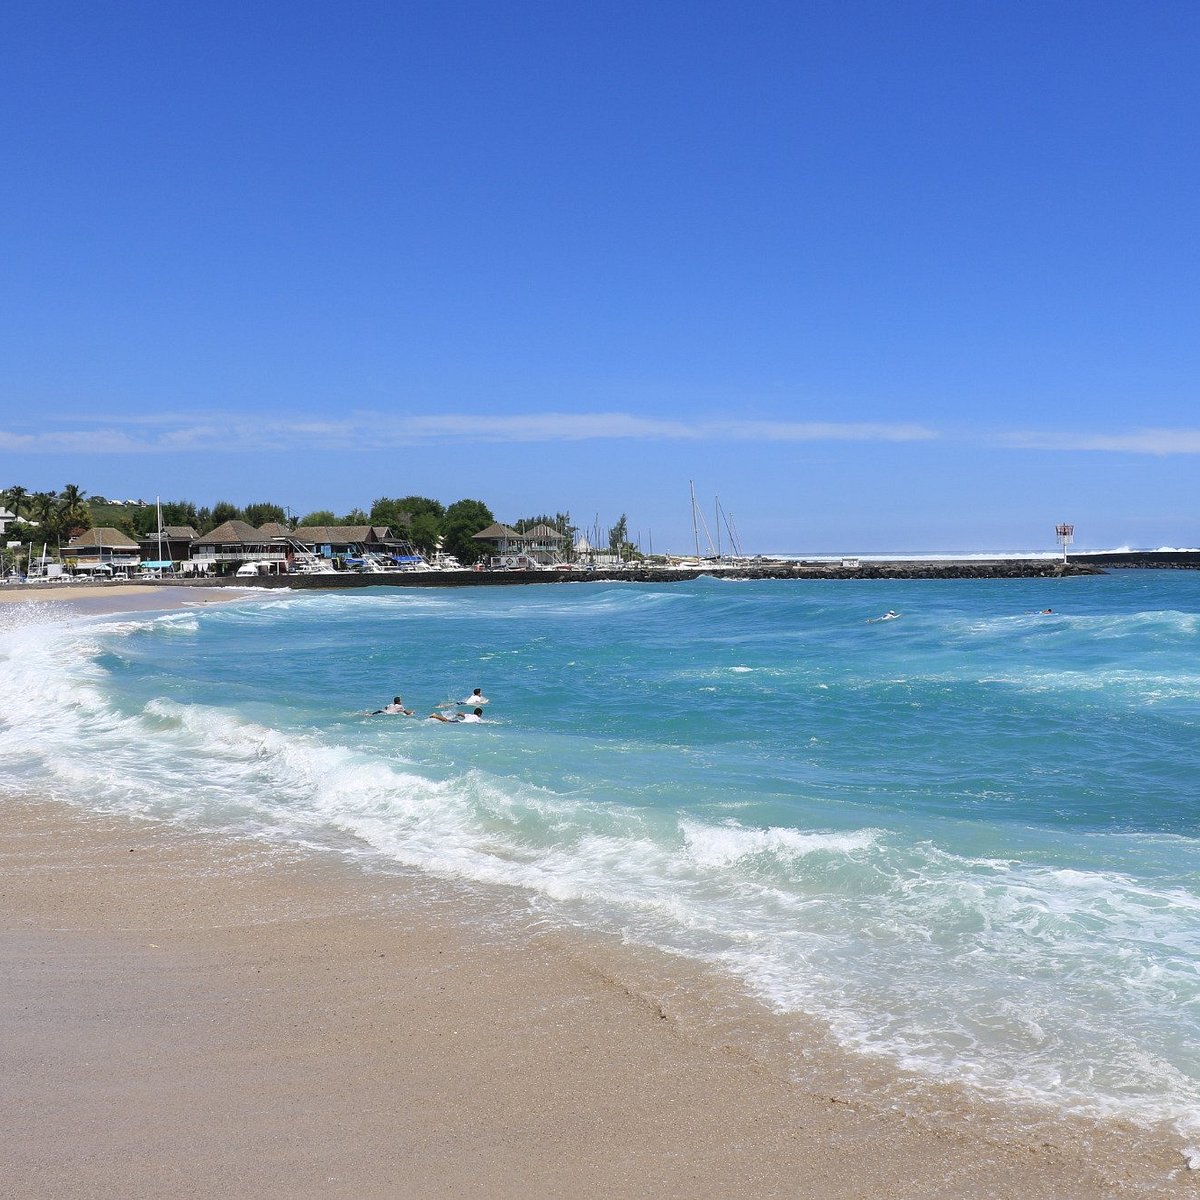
[[1159, 560], [931, 569]]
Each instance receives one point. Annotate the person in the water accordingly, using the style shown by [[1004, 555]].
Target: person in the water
[[475, 698], [890, 615], [396, 709], [473, 718]]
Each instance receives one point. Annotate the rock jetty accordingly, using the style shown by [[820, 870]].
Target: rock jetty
[[931, 569]]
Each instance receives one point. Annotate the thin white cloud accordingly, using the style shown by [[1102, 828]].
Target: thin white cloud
[[161, 433], [1137, 441]]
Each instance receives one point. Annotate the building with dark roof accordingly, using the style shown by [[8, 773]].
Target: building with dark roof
[[102, 550], [540, 546], [175, 545], [233, 545], [336, 541]]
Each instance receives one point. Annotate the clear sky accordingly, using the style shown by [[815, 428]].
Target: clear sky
[[882, 275]]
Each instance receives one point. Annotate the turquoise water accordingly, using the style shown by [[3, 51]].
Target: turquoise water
[[965, 840]]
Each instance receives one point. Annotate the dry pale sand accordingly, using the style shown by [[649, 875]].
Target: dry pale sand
[[15, 593], [95, 598], [188, 1016]]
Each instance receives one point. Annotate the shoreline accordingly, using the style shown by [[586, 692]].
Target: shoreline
[[195, 1014], [108, 598], [192, 1013]]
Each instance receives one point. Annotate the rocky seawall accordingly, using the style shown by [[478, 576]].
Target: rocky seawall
[[998, 569]]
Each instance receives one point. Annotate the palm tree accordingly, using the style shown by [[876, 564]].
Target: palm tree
[[73, 513], [43, 508], [14, 497]]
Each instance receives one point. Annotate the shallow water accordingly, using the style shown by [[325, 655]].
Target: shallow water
[[965, 840]]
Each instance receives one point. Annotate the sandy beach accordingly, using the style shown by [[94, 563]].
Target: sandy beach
[[115, 597], [187, 1015]]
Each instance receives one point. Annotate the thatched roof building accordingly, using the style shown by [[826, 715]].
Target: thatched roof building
[[343, 537], [498, 533], [232, 533], [102, 537], [545, 533]]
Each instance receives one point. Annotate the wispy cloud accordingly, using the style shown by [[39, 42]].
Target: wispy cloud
[[167, 433], [1137, 441], [183, 432]]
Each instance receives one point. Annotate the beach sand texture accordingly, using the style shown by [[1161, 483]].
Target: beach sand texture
[[115, 597], [191, 1017]]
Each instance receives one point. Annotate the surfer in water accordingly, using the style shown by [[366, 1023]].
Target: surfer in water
[[475, 699], [890, 615], [396, 709], [473, 718]]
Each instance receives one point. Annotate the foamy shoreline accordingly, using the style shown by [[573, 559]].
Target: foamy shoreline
[[278, 1022], [192, 1015]]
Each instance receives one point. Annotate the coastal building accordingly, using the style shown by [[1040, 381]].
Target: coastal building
[[102, 551], [540, 546], [348, 541], [234, 545], [508, 547], [6, 518], [173, 547], [544, 544]]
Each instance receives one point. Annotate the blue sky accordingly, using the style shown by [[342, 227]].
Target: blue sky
[[881, 275]]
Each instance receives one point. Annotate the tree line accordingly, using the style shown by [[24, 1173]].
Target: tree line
[[427, 523], [47, 516]]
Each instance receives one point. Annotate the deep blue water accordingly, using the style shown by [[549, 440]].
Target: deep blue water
[[966, 839]]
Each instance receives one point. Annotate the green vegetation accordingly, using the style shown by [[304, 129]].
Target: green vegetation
[[47, 516], [427, 523], [56, 517]]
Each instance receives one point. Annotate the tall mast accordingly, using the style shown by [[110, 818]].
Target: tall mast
[[717, 509], [695, 530]]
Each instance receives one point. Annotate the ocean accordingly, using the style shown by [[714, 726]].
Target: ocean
[[964, 841]]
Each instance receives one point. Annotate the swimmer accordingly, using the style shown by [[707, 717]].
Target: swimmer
[[474, 718], [396, 709], [475, 698], [890, 615]]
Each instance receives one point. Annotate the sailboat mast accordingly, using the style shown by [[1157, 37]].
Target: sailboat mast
[[717, 507], [695, 530]]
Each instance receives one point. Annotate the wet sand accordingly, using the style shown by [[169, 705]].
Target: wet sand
[[186, 1015]]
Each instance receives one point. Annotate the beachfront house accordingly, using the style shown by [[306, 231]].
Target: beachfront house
[[508, 547], [538, 547], [102, 551], [6, 518], [169, 549], [350, 542], [234, 546], [544, 544]]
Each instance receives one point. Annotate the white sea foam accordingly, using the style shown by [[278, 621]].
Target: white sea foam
[[722, 845], [1052, 983]]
